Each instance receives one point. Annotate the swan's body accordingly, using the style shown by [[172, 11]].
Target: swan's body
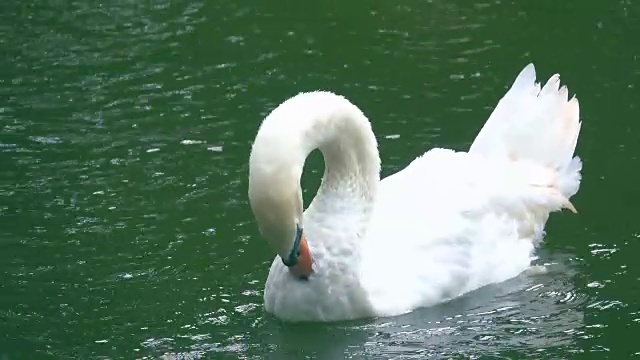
[[447, 224]]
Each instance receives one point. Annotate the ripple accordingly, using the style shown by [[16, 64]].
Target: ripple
[[126, 127]]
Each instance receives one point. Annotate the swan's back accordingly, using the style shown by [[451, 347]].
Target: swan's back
[[452, 222]]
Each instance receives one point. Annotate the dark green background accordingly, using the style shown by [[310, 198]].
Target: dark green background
[[119, 241]]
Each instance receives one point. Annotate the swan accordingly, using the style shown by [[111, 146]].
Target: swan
[[448, 223]]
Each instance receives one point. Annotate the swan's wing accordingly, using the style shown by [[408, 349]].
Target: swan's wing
[[451, 222], [540, 124], [444, 183]]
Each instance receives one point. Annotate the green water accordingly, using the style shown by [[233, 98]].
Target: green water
[[126, 125]]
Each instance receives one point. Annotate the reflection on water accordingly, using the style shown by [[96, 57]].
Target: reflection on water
[[532, 313], [125, 132]]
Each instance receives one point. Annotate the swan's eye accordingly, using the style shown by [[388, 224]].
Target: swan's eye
[[298, 253]]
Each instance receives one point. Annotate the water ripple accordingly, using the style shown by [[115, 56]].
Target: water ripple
[[126, 128]]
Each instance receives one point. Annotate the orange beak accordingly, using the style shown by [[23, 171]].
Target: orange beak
[[304, 268]]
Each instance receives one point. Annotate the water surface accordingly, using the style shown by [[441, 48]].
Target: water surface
[[126, 127]]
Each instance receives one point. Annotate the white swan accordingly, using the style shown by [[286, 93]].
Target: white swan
[[449, 223]]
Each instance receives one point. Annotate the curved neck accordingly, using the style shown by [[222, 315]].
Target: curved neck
[[351, 163], [305, 122]]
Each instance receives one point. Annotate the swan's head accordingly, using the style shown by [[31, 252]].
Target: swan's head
[[276, 201]]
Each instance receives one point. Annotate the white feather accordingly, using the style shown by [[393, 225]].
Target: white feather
[[447, 224]]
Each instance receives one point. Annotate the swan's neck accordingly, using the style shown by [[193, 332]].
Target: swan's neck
[[309, 121], [352, 166]]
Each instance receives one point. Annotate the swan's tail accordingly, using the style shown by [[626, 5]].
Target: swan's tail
[[537, 125]]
